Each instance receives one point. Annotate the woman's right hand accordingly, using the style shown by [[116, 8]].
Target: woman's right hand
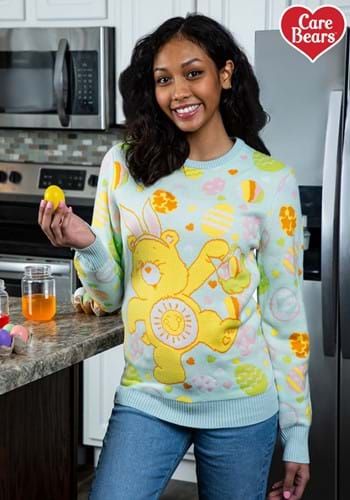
[[63, 228]]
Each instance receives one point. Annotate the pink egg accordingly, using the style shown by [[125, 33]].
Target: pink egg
[[20, 331]]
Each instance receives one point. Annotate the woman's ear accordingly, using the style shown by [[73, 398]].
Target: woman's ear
[[226, 74]]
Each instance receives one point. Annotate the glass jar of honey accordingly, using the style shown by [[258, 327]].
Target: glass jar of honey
[[38, 293]]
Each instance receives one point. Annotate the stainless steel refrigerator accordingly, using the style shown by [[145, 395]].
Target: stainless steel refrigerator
[[309, 129]]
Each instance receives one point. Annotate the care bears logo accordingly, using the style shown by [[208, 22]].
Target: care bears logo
[[313, 33]]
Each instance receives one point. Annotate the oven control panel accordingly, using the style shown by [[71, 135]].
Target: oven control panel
[[66, 179]]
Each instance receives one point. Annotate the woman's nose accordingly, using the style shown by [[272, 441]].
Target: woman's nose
[[181, 89]]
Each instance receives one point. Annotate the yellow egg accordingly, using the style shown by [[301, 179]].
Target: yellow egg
[[54, 194]]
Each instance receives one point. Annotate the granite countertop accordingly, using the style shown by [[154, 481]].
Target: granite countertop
[[68, 339]]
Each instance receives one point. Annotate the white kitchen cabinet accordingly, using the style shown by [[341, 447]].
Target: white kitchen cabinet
[[11, 10], [102, 374], [244, 18], [344, 5], [56, 13], [134, 19], [71, 9]]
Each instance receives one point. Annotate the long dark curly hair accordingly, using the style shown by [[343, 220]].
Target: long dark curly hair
[[154, 146]]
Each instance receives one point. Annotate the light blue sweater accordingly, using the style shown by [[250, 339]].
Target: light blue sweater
[[207, 268]]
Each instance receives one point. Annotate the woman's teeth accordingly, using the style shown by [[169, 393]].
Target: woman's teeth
[[187, 110]]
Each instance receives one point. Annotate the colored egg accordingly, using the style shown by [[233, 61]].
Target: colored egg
[[266, 163], [8, 327], [296, 379], [251, 191], [120, 175], [218, 220], [20, 331], [5, 338], [284, 304], [54, 194], [289, 261]]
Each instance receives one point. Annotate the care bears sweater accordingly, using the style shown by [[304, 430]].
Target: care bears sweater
[[207, 268]]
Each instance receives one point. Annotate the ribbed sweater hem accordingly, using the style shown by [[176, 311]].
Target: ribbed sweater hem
[[204, 414]]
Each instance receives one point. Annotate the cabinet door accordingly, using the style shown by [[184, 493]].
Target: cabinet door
[[102, 374], [244, 18], [71, 9], [134, 19], [11, 10], [344, 5]]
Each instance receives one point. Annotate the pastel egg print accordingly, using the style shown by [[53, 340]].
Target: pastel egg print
[[288, 219], [296, 379], [300, 344], [266, 163], [192, 173], [120, 175], [163, 202], [214, 186], [251, 379], [251, 191], [100, 217], [217, 220], [284, 304], [290, 260]]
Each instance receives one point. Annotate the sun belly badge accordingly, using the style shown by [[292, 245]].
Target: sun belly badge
[[174, 322]]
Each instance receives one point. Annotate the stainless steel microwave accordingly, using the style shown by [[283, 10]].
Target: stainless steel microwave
[[58, 78]]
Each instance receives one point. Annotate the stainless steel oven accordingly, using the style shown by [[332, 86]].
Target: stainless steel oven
[[57, 77], [21, 239]]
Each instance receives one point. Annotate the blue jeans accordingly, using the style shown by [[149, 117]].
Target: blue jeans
[[140, 453]]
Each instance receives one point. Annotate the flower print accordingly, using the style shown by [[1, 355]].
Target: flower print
[[136, 346], [245, 340], [204, 382], [250, 227], [214, 186]]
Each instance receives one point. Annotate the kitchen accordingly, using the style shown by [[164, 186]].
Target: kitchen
[[69, 152]]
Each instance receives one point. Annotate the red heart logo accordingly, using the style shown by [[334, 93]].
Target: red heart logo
[[313, 33]]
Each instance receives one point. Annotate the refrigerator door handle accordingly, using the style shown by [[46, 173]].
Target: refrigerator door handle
[[344, 243], [329, 227]]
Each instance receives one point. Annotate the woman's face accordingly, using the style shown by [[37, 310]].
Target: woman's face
[[188, 85]]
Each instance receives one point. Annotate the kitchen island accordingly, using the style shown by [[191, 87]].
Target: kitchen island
[[40, 402]]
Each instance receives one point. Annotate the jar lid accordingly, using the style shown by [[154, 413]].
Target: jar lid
[[37, 271]]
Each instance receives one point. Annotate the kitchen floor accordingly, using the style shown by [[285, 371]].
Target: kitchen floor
[[176, 490]]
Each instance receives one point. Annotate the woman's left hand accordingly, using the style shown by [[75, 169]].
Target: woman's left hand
[[294, 483]]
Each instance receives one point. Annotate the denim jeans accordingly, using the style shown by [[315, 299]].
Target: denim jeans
[[140, 453]]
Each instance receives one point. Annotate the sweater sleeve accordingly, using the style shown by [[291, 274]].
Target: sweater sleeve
[[100, 266], [283, 319]]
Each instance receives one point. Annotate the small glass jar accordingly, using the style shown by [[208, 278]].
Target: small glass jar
[[4, 305], [38, 293]]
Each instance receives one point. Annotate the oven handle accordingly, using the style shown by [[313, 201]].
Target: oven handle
[[57, 269], [60, 82]]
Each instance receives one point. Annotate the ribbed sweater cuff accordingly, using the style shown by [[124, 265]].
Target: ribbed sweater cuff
[[295, 444], [93, 257]]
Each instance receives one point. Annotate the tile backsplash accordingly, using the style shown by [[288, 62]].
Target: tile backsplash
[[60, 147]]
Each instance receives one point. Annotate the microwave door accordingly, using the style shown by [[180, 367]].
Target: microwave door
[[60, 82]]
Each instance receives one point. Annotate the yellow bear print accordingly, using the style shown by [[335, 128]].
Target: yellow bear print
[[174, 322]]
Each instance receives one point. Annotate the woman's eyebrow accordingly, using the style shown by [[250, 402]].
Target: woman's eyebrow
[[186, 63]]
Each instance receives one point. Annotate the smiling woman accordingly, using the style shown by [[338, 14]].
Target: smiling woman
[[188, 90], [181, 243], [185, 81]]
